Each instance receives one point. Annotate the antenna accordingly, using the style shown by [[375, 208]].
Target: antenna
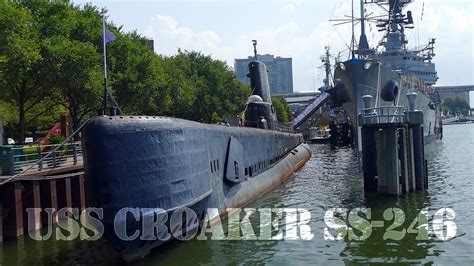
[[254, 42], [353, 32], [363, 43]]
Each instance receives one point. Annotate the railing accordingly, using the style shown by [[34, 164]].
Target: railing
[[311, 109], [29, 158], [383, 115], [285, 128]]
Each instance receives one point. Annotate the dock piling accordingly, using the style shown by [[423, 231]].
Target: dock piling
[[32, 199], [1, 221], [49, 200], [387, 161], [392, 148], [11, 196]]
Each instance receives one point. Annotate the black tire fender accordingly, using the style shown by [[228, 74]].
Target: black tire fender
[[390, 91]]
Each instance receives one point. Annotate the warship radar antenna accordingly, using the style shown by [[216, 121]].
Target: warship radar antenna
[[326, 59]]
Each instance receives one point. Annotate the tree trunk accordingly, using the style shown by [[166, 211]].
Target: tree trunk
[[21, 124], [74, 113]]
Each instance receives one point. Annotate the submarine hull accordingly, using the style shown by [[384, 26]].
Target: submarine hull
[[155, 166]]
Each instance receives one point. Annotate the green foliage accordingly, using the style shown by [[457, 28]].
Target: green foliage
[[456, 105], [282, 110], [51, 64], [20, 49], [56, 139], [74, 73]]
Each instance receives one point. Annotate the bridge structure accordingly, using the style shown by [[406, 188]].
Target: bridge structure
[[298, 97], [461, 91]]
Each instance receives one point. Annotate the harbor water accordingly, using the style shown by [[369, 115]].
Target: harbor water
[[331, 179]]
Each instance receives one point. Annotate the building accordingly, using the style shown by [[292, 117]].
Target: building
[[151, 44], [280, 72]]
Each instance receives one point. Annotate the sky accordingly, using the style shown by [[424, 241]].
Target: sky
[[298, 29]]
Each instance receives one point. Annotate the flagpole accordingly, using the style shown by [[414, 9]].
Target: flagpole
[[105, 64]]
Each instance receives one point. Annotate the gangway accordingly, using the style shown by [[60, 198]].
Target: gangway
[[310, 109]]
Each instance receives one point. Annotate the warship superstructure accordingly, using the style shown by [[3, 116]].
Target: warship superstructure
[[164, 165], [388, 72]]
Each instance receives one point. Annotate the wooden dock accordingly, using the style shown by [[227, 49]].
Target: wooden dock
[[56, 188]]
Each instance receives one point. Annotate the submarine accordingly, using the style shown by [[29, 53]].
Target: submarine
[[165, 165]]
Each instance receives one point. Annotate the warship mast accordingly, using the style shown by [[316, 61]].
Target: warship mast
[[363, 43]]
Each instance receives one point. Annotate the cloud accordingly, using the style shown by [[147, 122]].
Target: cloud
[[305, 41], [289, 8], [287, 40], [175, 36]]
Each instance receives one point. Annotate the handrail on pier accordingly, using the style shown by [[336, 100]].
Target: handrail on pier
[[33, 158], [383, 115]]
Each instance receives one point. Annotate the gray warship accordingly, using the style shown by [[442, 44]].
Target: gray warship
[[389, 71], [166, 164]]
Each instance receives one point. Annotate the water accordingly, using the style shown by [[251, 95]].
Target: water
[[330, 179]]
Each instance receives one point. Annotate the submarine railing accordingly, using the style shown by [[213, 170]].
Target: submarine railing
[[284, 128]]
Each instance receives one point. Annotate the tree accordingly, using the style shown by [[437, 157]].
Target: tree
[[20, 51], [456, 105], [51, 54], [217, 92], [73, 68], [282, 110], [138, 76]]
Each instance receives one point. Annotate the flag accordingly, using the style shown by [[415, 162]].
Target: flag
[[108, 36]]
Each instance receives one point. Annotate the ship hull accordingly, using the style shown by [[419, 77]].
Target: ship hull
[[163, 165], [358, 80]]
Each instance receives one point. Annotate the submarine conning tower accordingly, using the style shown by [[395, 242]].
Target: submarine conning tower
[[259, 112]]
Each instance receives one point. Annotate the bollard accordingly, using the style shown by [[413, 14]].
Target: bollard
[[412, 101], [367, 99]]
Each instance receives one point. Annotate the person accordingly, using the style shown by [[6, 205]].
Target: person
[[241, 122]]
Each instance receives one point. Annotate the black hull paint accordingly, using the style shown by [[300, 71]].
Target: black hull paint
[[165, 163]]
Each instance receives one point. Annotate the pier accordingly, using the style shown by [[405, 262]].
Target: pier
[[28, 181], [393, 156]]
